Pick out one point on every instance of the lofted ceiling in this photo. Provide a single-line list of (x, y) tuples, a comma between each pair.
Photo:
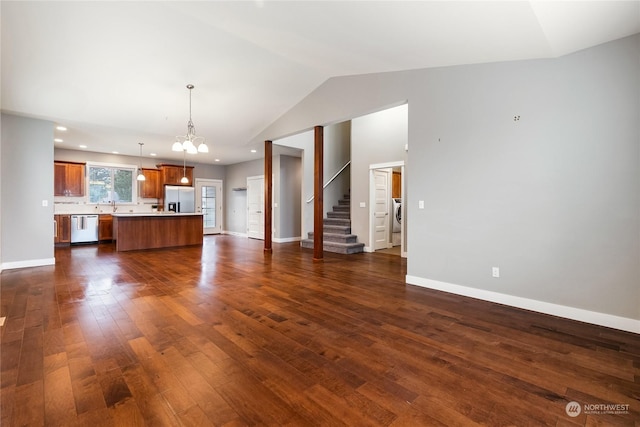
[(115, 73)]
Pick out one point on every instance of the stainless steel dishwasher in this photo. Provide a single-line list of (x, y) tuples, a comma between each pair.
[(84, 228)]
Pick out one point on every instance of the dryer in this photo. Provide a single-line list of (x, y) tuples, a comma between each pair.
[(397, 215)]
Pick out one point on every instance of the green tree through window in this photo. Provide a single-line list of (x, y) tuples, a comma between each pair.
[(108, 184)]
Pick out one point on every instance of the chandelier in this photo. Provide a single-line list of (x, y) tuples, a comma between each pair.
[(190, 143)]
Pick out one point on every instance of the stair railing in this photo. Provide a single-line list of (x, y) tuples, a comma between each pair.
[(331, 179)]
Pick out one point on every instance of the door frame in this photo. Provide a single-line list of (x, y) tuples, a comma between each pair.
[(219, 200), (372, 188)]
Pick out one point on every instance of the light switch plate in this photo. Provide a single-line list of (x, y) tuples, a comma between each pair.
[(363, 204), (45, 203), (420, 204)]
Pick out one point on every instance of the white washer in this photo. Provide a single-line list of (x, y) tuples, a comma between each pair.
[(397, 215)]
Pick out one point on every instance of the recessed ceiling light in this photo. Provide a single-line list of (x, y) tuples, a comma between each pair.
[(115, 152), (253, 151), (57, 140), (82, 146), (153, 154), (62, 128), (217, 160)]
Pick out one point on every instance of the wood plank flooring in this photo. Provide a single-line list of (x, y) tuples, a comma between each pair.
[(226, 335)]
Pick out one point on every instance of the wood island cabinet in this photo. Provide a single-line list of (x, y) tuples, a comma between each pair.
[(151, 187), (68, 179), (105, 227), (172, 174), (62, 229)]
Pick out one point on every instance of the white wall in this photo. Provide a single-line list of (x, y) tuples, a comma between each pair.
[(236, 177), (552, 199), (27, 181), (304, 142), (288, 187)]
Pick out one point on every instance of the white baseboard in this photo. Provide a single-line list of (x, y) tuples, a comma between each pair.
[(286, 239), (27, 263), (601, 319)]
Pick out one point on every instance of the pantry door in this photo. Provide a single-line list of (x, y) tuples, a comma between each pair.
[(209, 203), (255, 207)]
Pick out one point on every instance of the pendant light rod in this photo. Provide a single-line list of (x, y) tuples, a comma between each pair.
[(140, 176), (184, 179)]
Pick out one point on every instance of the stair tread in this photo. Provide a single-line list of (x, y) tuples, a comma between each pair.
[(335, 247), (337, 243)]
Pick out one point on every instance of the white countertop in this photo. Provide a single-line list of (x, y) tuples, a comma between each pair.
[(154, 214)]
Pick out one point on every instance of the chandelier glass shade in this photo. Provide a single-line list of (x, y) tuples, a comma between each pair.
[(190, 143), (184, 179)]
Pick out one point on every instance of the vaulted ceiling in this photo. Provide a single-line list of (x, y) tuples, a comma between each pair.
[(115, 73)]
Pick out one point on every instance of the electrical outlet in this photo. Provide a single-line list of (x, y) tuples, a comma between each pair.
[(495, 271)]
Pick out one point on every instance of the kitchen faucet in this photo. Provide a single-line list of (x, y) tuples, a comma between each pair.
[(113, 203)]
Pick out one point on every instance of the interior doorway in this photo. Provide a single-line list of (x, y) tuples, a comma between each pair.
[(386, 194), (209, 203)]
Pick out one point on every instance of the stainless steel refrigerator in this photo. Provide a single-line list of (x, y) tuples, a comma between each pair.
[(179, 199)]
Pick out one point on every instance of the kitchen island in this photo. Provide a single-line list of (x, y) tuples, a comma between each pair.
[(133, 231)]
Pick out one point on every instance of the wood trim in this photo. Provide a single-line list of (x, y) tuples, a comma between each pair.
[(70, 163), (318, 203), (268, 194)]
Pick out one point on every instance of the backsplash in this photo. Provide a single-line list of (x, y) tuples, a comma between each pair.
[(82, 207)]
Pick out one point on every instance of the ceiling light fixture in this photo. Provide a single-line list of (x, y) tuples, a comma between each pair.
[(61, 128), (190, 140), (141, 176)]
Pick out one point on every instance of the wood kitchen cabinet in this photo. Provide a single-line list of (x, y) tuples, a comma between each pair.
[(105, 227), (62, 228), (68, 179), (172, 174), (396, 185), (151, 188)]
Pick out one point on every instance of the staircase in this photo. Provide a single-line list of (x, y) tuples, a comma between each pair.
[(337, 235)]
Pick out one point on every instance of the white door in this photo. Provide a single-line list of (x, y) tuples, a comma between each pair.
[(381, 209), (209, 203), (255, 207)]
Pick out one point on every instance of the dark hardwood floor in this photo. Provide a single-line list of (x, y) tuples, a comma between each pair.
[(225, 334)]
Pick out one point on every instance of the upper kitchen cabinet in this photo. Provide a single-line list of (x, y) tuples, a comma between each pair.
[(151, 188), (172, 174), (68, 179)]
